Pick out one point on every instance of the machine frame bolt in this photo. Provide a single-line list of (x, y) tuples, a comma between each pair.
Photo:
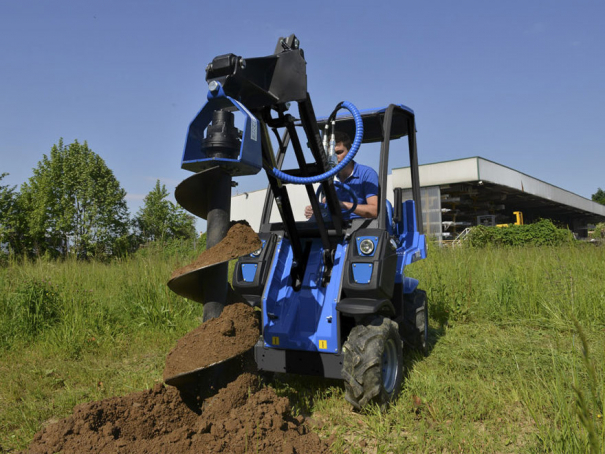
[(213, 86), (242, 63)]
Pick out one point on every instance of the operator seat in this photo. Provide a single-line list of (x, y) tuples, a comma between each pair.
[(389, 215)]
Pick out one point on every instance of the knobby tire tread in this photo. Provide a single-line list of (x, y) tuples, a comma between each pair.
[(363, 362)]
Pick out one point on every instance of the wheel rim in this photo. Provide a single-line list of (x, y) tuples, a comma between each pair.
[(390, 366)]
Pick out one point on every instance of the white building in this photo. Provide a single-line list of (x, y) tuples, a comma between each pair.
[(458, 194)]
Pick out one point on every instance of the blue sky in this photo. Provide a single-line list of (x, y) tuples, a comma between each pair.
[(521, 83)]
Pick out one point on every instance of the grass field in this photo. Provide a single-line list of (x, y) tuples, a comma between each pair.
[(517, 361)]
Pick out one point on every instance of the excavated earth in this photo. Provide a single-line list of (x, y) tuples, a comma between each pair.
[(241, 417), (233, 333), (240, 240)]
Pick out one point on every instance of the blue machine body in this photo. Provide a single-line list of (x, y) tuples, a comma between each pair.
[(306, 319), (249, 161)]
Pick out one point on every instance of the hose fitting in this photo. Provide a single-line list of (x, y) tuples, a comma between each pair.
[(348, 158)]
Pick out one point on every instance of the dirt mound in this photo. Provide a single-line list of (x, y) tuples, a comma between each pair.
[(241, 418), (234, 332), (240, 240)]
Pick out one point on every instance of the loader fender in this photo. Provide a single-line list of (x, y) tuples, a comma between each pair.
[(409, 285), (251, 271), (370, 275), (354, 307)]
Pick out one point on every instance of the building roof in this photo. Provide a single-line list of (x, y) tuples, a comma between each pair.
[(518, 190)]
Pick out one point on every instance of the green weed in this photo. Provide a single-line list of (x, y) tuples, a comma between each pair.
[(508, 371), (28, 310), (565, 397)]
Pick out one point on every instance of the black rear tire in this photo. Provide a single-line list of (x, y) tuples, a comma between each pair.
[(414, 327), (373, 363)]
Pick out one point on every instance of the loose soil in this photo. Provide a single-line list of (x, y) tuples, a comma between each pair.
[(240, 240), (243, 417), (233, 333)]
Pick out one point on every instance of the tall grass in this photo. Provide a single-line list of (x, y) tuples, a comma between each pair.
[(552, 296), (541, 285), (66, 303), (75, 331), (565, 397), (509, 369)]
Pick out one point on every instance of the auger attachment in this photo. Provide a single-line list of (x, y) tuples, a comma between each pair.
[(217, 151), (223, 152), (207, 194)]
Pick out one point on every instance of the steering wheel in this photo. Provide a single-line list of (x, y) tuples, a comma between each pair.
[(347, 189)]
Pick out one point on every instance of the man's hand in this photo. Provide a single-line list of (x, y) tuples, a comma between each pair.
[(308, 211)]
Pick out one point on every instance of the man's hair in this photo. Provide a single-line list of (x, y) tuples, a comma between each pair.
[(343, 137)]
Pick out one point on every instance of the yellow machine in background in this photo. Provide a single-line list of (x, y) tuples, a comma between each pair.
[(518, 219)]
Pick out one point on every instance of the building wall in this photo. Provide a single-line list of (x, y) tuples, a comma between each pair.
[(249, 205), (439, 173), (477, 169)]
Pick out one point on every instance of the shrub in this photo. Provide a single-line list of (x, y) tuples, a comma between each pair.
[(541, 233), (599, 232)]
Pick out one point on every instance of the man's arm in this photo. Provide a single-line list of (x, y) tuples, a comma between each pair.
[(369, 179), (368, 210)]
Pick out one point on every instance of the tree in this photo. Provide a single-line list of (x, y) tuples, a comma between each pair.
[(74, 203), (7, 204), (159, 219), (7, 201), (599, 196), (12, 220)]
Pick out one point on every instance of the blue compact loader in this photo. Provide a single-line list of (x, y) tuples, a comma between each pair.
[(332, 291)]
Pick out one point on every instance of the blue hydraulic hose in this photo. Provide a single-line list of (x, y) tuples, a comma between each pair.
[(330, 173)]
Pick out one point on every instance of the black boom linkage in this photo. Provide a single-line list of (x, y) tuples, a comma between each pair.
[(268, 84)]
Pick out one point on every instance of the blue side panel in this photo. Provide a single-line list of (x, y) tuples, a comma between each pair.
[(362, 272), (412, 244), (249, 271), (306, 319)]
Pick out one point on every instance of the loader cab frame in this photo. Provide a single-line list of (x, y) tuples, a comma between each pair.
[(380, 125)]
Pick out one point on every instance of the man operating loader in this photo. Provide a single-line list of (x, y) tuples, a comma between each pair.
[(362, 180)]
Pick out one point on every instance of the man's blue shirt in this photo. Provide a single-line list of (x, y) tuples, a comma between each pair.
[(364, 183)]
